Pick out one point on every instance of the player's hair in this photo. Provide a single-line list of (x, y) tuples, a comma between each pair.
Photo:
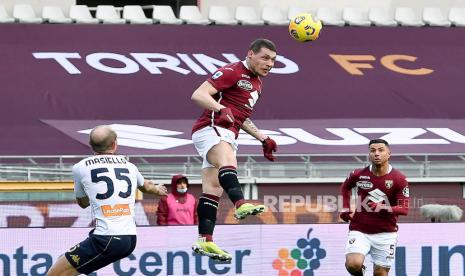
[(378, 141), (102, 142), (259, 43)]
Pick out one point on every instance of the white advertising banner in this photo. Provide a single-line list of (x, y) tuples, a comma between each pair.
[(436, 249)]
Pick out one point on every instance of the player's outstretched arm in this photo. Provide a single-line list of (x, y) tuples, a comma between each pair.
[(151, 188), (269, 145), (203, 97)]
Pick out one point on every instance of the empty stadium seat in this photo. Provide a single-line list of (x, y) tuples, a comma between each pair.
[(192, 15), (165, 15), (294, 10), (435, 17), (4, 18), (25, 14), (220, 15), (356, 16), (54, 14), (381, 17), (330, 16), (135, 15), (81, 14), (246, 15), (457, 16), (109, 15), (273, 16), (406, 17)]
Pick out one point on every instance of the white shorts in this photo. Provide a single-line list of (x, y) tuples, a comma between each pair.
[(381, 246), (205, 138)]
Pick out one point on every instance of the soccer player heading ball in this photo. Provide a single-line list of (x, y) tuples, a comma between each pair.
[(228, 97)]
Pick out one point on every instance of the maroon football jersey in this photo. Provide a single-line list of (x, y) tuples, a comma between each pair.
[(392, 187), (239, 89)]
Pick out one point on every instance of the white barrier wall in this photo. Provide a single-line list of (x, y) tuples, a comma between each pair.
[(423, 249)]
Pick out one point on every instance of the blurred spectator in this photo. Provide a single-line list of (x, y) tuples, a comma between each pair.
[(179, 207)]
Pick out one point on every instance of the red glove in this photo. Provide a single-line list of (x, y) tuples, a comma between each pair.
[(345, 216), (226, 117), (269, 146)]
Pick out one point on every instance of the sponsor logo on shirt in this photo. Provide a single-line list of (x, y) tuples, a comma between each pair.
[(244, 84), (364, 177), (245, 76), (364, 185), (217, 75), (389, 183), (377, 196), (118, 210)]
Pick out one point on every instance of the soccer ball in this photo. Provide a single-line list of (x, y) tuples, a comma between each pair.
[(303, 28)]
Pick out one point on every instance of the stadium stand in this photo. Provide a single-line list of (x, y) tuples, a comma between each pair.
[(273, 16), (246, 15), (356, 17), (220, 15), (165, 15), (25, 14), (457, 16), (330, 16), (81, 14), (109, 15), (134, 14), (192, 15), (434, 17), (405, 16), (381, 17), (54, 14), (293, 10), (4, 17)]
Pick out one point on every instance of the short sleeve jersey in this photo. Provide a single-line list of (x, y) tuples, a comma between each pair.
[(110, 182), (239, 89), (392, 187)]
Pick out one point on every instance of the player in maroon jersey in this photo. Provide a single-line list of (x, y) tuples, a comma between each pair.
[(228, 97), (383, 195)]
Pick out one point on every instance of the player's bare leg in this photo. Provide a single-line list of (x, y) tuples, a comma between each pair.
[(354, 264), (210, 183), (223, 157), (380, 270), (62, 268)]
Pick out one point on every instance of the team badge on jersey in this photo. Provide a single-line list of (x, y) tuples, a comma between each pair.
[(217, 75), (389, 183), (406, 192), (244, 84)]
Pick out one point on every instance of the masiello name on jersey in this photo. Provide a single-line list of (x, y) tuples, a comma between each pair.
[(106, 160)]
